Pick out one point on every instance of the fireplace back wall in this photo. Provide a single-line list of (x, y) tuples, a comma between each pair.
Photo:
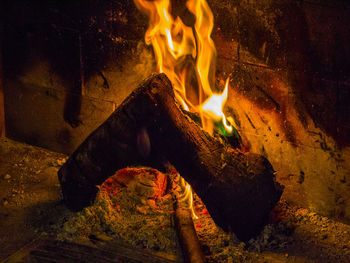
[(67, 66)]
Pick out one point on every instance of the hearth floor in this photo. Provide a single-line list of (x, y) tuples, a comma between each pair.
[(32, 213)]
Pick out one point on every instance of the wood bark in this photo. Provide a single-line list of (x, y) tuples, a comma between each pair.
[(237, 188), (188, 238)]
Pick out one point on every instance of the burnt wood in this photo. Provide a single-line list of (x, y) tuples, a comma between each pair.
[(188, 238), (237, 188)]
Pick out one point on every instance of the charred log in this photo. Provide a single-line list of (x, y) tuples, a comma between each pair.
[(237, 188), (188, 239)]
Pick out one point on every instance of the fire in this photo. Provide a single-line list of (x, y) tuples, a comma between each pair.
[(187, 54), (186, 195), (212, 108)]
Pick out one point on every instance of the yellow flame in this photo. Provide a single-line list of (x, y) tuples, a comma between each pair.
[(206, 52), (187, 194), (174, 43), (212, 108)]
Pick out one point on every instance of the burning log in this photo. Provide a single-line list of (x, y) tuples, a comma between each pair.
[(187, 236), (188, 239), (148, 127)]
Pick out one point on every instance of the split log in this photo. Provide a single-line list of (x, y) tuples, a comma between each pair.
[(237, 188)]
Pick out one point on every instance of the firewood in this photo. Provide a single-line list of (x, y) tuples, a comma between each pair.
[(187, 236), (188, 239), (237, 188)]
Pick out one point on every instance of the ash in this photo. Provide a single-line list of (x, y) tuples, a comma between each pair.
[(294, 234), (127, 213), (31, 206)]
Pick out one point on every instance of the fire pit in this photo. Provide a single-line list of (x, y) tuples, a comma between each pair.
[(218, 173), (198, 131), (149, 127)]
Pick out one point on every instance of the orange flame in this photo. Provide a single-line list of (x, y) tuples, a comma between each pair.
[(174, 44), (212, 109), (187, 194)]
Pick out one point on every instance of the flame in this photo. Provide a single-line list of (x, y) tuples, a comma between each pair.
[(186, 53), (187, 194), (212, 108)]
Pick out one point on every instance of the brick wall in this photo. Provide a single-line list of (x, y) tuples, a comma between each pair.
[(288, 62)]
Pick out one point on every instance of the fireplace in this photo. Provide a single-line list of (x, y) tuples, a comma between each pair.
[(280, 70)]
